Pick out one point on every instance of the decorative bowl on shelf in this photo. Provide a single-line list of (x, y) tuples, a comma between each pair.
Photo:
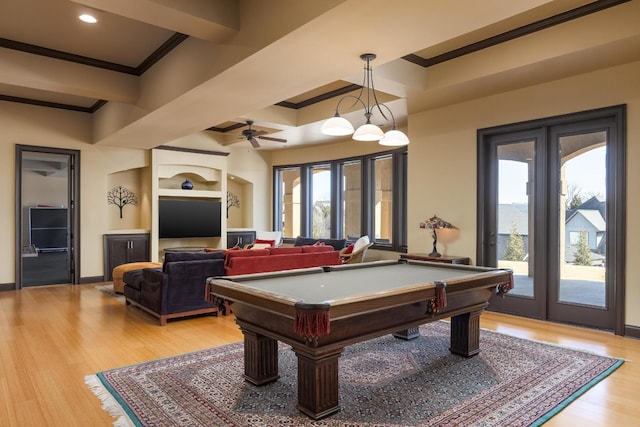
[(187, 185)]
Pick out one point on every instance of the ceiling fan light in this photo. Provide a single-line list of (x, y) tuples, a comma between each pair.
[(337, 126), (394, 138), (368, 132)]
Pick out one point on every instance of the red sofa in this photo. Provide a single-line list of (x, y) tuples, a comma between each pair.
[(248, 261)]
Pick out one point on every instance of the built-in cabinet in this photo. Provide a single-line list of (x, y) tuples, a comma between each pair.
[(124, 248), (240, 238)]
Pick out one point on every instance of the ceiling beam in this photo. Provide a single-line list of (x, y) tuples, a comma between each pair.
[(66, 77), (212, 20)]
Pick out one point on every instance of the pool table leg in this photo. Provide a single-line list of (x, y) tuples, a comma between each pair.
[(408, 334), (260, 358), (465, 334), (318, 383)]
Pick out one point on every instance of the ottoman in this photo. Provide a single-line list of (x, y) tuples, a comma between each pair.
[(118, 272)]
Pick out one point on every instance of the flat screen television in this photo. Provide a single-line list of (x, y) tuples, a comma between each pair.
[(180, 218)]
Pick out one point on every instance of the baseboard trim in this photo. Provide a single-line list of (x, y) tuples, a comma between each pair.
[(83, 281), (88, 280), (632, 331), (7, 287)]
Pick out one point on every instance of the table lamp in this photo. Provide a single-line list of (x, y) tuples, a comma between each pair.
[(435, 223)]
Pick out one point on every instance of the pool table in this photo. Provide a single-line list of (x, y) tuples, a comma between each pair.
[(319, 311)]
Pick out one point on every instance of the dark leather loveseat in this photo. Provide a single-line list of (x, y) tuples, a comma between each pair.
[(178, 289)]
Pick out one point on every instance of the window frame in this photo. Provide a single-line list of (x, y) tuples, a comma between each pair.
[(399, 197)]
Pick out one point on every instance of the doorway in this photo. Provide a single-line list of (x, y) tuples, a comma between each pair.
[(551, 199), (46, 216)]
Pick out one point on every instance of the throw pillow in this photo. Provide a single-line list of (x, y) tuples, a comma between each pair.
[(361, 242), (260, 246), (349, 249), (262, 241)]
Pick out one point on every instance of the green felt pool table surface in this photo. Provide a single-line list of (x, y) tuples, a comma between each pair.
[(344, 282)]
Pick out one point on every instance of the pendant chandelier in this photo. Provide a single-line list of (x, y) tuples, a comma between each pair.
[(339, 126)]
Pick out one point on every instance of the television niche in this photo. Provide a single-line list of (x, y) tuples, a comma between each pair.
[(181, 218)]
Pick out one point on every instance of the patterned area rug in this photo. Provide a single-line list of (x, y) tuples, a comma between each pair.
[(383, 382)]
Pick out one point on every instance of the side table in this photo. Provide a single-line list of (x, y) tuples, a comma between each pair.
[(443, 258)]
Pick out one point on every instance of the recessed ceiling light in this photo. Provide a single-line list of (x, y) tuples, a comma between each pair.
[(90, 19)]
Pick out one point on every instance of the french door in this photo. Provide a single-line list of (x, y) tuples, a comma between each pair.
[(551, 208)]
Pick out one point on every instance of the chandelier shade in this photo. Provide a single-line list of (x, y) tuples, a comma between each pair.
[(394, 138), (339, 126), (368, 132)]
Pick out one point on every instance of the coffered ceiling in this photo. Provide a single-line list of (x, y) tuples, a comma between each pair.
[(150, 72)]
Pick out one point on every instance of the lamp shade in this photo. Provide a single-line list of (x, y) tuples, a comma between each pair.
[(368, 132), (337, 126), (394, 138)]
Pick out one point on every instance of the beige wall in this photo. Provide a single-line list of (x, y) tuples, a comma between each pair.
[(442, 156)]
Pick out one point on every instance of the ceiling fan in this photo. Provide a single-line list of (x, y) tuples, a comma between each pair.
[(251, 135)]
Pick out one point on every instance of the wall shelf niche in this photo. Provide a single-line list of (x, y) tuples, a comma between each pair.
[(204, 180), (208, 174)]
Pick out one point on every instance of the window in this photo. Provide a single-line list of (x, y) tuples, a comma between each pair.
[(574, 238), (383, 200), (321, 201), (351, 198), (344, 198), (288, 206)]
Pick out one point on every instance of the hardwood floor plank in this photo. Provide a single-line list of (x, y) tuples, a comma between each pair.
[(52, 336)]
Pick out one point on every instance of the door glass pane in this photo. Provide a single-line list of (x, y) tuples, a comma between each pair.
[(289, 182), (515, 213), (46, 218), (383, 208), (582, 221), (321, 201), (351, 200)]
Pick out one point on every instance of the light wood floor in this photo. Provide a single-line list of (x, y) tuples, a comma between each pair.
[(52, 336)]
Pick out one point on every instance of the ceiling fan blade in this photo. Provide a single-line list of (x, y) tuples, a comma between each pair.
[(254, 143), (259, 132), (270, 138)]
